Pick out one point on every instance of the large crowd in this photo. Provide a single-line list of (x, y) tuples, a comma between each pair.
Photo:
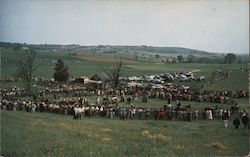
[(108, 103), (168, 92), (108, 108)]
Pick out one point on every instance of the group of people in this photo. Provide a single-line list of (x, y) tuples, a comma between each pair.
[(9, 92), (242, 118), (169, 92), (107, 108)]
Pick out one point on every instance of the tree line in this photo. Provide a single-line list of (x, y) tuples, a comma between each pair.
[(227, 59)]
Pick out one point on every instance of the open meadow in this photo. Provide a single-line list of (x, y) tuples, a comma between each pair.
[(43, 134)]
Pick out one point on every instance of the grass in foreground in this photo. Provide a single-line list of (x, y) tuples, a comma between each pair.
[(43, 134)]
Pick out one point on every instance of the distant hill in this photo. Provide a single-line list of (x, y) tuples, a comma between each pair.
[(167, 50), (142, 48)]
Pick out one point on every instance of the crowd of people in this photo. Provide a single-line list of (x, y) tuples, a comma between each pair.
[(108, 108), (167, 92), (9, 92), (108, 103)]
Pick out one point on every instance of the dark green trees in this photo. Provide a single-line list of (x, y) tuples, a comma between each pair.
[(230, 58), (61, 71)]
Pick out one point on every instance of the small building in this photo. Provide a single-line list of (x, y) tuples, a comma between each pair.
[(81, 79), (93, 84)]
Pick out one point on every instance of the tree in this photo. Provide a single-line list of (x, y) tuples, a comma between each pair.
[(114, 74), (230, 58), (191, 58), (26, 66), (61, 72), (180, 58)]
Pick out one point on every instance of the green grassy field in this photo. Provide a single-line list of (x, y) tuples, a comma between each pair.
[(43, 134), (78, 67), (236, 82)]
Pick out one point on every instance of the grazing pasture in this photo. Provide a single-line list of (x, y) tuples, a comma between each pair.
[(44, 134)]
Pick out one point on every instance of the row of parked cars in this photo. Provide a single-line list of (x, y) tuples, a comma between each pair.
[(167, 77)]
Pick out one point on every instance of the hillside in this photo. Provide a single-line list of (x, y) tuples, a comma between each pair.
[(45, 134), (167, 50), (110, 48)]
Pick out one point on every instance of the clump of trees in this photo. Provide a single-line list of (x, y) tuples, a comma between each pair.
[(180, 58), (61, 72), (230, 58)]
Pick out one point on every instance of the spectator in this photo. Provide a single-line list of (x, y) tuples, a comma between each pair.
[(236, 122), (225, 118), (245, 120)]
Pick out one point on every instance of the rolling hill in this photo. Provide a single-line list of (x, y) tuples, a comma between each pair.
[(103, 48)]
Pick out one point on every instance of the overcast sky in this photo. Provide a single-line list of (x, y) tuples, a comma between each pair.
[(215, 25)]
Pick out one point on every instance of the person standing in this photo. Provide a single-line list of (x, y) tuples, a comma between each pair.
[(236, 122), (220, 113), (196, 114), (225, 118), (245, 120), (210, 115)]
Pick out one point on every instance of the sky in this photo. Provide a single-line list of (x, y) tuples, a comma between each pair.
[(216, 25)]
